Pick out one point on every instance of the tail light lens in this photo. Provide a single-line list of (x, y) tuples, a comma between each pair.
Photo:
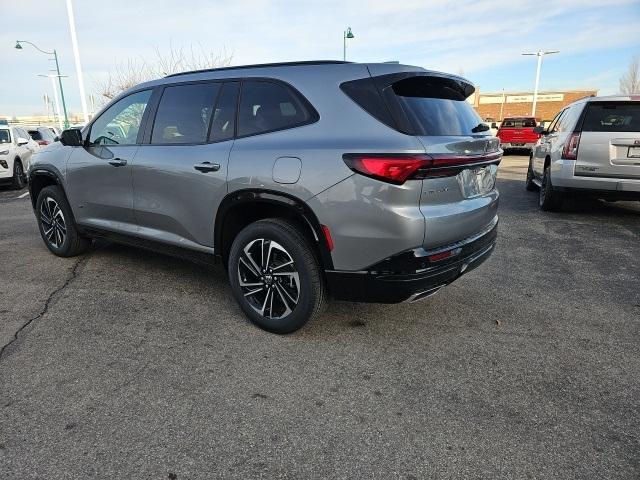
[(570, 150), (42, 142), (398, 168)]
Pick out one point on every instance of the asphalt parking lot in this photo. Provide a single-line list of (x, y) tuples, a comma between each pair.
[(127, 364)]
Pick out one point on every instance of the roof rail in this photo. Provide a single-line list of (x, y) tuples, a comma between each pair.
[(262, 65)]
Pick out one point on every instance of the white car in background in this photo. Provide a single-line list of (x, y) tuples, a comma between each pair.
[(16, 149)]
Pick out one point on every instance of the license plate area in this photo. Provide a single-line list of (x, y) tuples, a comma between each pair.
[(517, 144), (478, 181), (633, 152)]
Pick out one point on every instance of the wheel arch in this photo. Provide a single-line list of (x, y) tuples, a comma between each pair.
[(240, 208), (41, 178)]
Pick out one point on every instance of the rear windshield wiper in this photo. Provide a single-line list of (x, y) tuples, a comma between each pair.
[(480, 128)]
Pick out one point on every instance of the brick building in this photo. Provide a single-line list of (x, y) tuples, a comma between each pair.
[(496, 106)]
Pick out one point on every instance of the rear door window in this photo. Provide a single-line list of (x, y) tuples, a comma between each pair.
[(612, 117), (184, 113), (268, 106), (433, 108)]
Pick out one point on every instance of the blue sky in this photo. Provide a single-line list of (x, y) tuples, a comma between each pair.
[(483, 39)]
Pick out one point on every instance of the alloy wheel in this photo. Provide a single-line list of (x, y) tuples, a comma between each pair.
[(53, 222), (268, 278)]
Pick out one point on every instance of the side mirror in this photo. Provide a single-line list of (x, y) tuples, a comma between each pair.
[(22, 141), (72, 137), (539, 130)]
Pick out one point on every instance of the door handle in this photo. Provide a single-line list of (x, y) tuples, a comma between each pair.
[(118, 162), (207, 167)]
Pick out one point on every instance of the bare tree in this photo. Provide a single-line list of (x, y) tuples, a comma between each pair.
[(133, 71), (630, 81)]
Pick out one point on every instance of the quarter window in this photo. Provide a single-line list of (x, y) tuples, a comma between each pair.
[(267, 106), (224, 115), (184, 113), (120, 124)]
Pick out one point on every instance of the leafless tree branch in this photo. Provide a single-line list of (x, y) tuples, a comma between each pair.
[(630, 81)]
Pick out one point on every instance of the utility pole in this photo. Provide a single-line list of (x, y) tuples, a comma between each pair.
[(76, 57), (538, 54)]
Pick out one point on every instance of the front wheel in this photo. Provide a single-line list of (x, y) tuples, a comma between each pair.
[(56, 224), (275, 276)]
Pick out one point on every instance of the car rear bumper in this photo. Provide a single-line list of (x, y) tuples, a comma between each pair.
[(564, 179), (410, 275)]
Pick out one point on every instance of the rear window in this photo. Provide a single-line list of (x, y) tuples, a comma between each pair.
[(518, 123), (35, 134), (433, 108), (612, 117), (5, 137)]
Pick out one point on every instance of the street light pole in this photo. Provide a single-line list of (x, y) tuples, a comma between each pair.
[(55, 98), (538, 54), (346, 34), (55, 58)]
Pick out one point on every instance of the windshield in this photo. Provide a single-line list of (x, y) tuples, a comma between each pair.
[(5, 137)]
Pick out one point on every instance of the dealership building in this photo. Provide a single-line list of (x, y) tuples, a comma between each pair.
[(496, 106)]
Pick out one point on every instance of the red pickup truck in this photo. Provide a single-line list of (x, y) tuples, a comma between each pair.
[(517, 132)]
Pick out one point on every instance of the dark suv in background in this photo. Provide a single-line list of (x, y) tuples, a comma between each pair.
[(365, 182)]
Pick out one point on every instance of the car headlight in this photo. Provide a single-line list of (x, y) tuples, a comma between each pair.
[(4, 152)]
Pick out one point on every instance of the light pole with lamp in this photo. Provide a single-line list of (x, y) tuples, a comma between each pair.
[(55, 58), (538, 54), (346, 34)]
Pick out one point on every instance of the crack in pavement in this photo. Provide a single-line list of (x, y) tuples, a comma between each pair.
[(70, 277)]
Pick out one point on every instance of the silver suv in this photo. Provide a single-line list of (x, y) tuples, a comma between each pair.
[(592, 147), (363, 182)]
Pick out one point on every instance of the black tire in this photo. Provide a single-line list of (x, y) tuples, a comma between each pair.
[(275, 278), (57, 225), (550, 199), (529, 185), (19, 179)]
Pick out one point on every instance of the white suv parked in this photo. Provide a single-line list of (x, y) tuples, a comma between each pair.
[(16, 149), (591, 148)]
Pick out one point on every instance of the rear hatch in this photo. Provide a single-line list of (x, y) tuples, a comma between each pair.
[(458, 198), (518, 131), (609, 143)]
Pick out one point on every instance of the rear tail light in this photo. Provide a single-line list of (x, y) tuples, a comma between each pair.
[(42, 142), (398, 168), (570, 150)]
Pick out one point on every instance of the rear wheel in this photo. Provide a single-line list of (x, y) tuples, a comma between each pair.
[(56, 224), (275, 276), (19, 180), (550, 199), (529, 185)]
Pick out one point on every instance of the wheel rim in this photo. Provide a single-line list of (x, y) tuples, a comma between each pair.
[(53, 223), (268, 278)]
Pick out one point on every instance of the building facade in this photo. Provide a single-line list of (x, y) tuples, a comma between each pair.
[(496, 106)]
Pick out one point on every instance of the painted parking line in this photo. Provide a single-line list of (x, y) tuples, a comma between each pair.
[(24, 195)]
